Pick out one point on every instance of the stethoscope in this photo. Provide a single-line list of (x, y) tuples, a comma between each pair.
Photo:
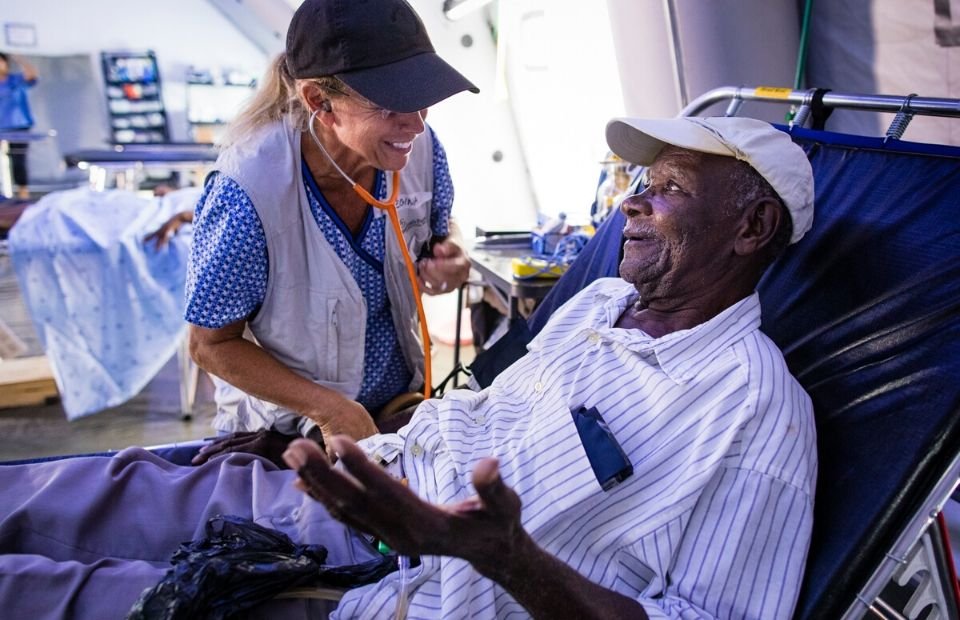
[(390, 206)]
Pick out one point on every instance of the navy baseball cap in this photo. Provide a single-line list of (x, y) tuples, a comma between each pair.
[(379, 48)]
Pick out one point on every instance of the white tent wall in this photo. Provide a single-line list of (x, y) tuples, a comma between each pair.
[(263, 22), (560, 77), (569, 66), (885, 47), (487, 164), (671, 51)]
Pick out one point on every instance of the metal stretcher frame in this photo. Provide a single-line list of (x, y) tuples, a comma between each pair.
[(911, 557), (889, 543), (812, 101), (127, 161)]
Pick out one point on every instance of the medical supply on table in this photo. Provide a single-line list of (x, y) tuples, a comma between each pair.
[(533, 267), (390, 206), (544, 237), (552, 264)]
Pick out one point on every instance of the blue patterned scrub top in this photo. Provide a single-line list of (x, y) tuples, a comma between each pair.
[(227, 275)]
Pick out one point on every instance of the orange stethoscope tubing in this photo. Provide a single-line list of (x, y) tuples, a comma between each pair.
[(390, 206)]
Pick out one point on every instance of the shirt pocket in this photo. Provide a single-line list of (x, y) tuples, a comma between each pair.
[(559, 484)]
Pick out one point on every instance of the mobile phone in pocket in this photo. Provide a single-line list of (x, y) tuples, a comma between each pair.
[(608, 460)]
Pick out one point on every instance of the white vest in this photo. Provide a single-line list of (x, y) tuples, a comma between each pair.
[(313, 318)]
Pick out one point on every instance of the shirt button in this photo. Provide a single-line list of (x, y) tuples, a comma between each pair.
[(538, 387), (594, 337), (416, 450), (480, 419)]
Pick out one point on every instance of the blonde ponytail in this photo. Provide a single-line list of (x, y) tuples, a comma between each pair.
[(275, 98)]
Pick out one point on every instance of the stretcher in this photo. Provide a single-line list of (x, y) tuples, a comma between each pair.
[(867, 312), (123, 164)]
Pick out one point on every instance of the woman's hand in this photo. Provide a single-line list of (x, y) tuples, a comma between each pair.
[(446, 270), (347, 417)]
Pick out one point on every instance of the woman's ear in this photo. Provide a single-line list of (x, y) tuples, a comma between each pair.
[(313, 97), (759, 224)]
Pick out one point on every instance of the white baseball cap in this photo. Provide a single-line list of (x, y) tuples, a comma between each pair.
[(768, 150)]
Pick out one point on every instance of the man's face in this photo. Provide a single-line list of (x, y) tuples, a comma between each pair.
[(680, 229)]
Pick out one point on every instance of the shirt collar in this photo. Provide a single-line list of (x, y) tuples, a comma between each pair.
[(684, 353)]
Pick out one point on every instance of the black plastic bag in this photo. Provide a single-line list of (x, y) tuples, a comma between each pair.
[(240, 564)]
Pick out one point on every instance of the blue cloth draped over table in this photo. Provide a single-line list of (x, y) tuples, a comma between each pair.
[(108, 309)]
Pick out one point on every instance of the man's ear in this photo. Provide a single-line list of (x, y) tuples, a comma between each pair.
[(758, 225)]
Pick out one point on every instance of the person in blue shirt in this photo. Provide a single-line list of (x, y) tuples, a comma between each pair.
[(289, 247), (15, 114)]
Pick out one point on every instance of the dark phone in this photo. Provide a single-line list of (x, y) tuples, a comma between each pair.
[(608, 460)]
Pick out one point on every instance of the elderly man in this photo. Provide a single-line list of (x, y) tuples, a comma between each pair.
[(715, 519), (650, 456)]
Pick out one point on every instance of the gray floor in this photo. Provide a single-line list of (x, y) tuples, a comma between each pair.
[(151, 418)]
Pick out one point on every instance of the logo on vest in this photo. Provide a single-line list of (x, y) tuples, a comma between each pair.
[(414, 224), (414, 210)]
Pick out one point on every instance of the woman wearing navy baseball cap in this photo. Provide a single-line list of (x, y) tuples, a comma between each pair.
[(294, 241)]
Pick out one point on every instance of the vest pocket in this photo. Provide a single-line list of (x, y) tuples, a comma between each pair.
[(414, 211), (332, 352)]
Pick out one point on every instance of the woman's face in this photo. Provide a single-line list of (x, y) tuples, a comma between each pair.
[(380, 137)]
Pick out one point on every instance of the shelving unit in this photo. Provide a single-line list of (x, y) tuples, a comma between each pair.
[(134, 98), (213, 101)]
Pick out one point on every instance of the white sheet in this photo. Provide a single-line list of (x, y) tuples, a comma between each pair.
[(108, 309)]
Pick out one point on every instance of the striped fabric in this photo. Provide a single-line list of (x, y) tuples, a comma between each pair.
[(715, 521)]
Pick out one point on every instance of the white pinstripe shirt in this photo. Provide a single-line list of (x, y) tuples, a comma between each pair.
[(715, 521)]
